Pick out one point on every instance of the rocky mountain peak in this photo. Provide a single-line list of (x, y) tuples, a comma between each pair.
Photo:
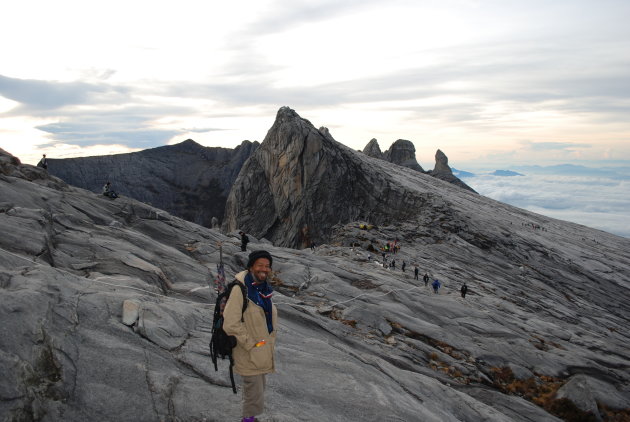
[(326, 133), (287, 122), (305, 183), (441, 163), (403, 153), (188, 146), (189, 142), (372, 149), (442, 171)]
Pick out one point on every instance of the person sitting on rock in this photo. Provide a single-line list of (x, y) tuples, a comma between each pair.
[(107, 191), (43, 163)]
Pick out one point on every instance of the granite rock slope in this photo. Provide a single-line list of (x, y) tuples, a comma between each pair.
[(542, 336), (186, 179)]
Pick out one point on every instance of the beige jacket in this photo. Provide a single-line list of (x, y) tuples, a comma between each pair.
[(250, 360)]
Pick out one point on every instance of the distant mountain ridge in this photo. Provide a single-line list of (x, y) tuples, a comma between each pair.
[(619, 173), (185, 179), (505, 173), (462, 173)]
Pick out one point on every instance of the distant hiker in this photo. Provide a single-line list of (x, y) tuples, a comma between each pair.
[(108, 191), (214, 223), (313, 246), (415, 273), (254, 330), (43, 163), (463, 290), (403, 266), (426, 279), (393, 264), (244, 241), (436, 285)]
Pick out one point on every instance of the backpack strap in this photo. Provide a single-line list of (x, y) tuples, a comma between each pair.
[(232, 374), (245, 300), (244, 293)]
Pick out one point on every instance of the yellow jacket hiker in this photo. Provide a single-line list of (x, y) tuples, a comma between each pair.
[(255, 331)]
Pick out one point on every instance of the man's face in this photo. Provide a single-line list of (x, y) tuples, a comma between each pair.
[(261, 269)]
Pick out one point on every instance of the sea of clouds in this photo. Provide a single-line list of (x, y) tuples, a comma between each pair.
[(601, 202)]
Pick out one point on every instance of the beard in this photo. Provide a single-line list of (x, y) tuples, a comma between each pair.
[(261, 276)]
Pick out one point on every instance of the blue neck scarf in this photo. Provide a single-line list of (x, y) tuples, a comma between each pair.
[(260, 294)]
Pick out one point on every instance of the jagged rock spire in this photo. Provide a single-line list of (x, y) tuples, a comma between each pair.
[(403, 153), (442, 171), (372, 149)]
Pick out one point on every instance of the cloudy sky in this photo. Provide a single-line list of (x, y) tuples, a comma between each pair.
[(488, 81), (492, 83)]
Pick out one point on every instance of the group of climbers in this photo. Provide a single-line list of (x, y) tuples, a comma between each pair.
[(392, 247)]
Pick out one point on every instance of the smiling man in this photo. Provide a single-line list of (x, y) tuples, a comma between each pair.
[(255, 331)]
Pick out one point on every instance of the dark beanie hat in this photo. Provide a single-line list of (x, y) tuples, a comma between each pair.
[(258, 254)]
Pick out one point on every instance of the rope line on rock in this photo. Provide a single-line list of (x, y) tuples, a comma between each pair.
[(152, 293), (374, 295)]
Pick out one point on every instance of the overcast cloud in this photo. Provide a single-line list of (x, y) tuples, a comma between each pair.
[(483, 81)]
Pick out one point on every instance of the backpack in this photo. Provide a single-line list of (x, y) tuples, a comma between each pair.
[(221, 344)]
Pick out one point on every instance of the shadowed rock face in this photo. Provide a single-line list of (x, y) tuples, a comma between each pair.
[(187, 179), (403, 153), (443, 172), (372, 149), (546, 310), (301, 182)]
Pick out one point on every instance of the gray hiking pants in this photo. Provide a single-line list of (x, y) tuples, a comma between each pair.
[(253, 395)]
